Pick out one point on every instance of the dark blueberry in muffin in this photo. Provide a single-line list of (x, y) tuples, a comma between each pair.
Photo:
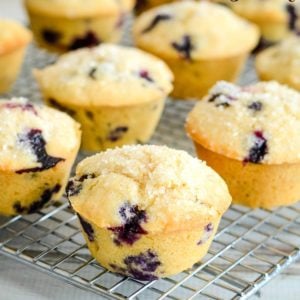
[(92, 72), (87, 227), (89, 114), (212, 98), (157, 19), (184, 47), (90, 39), (208, 230), (35, 141), (24, 106), (37, 205), (74, 185), (60, 107), (140, 4), (131, 229), (117, 133), (142, 266), (51, 36), (292, 16), (224, 101), (145, 75), (255, 106), (260, 148)]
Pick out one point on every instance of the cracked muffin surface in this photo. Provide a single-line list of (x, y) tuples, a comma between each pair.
[(140, 200)]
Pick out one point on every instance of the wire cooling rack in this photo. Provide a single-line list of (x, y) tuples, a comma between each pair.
[(250, 248)]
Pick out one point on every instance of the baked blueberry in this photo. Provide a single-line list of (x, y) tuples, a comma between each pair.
[(60, 107), (35, 141), (255, 106), (51, 36), (131, 229), (74, 185), (184, 47), (260, 148), (145, 75), (87, 227), (293, 16), (143, 266), (38, 204), (156, 20), (117, 133), (90, 39), (208, 231)]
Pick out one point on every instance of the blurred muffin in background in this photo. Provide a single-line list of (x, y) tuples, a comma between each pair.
[(117, 93), (68, 25), (281, 62), (275, 18), (14, 39), (202, 43)]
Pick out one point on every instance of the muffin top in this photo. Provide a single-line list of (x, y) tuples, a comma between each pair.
[(199, 31), (34, 138), (155, 187), (108, 75), (283, 56), (12, 36), (78, 8), (267, 10), (259, 123)]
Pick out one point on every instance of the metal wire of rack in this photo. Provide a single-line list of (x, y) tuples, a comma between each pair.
[(250, 248)]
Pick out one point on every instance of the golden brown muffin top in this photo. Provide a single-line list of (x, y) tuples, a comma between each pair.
[(162, 188), (108, 75), (264, 11), (78, 8), (34, 138), (281, 62), (194, 30), (12, 36), (259, 123)]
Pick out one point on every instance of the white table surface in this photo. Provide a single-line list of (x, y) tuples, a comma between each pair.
[(20, 282)]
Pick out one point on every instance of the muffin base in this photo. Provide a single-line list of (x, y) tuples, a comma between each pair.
[(160, 255), (109, 127), (28, 192), (255, 185), (10, 65), (273, 31), (63, 34), (193, 79)]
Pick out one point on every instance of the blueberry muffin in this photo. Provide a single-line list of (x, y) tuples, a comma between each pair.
[(207, 43), (116, 93), (14, 39), (68, 25), (143, 208), (38, 146), (281, 62), (250, 136), (275, 18)]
